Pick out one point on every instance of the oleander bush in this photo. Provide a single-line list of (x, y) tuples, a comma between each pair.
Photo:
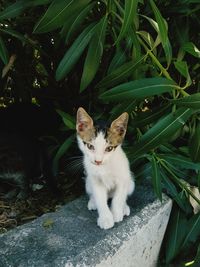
[(112, 56)]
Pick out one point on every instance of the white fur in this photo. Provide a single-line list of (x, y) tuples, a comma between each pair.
[(111, 179)]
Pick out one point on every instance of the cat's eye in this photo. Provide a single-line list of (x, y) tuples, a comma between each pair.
[(90, 147), (109, 148)]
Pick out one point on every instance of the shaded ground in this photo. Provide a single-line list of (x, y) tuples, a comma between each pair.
[(16, 212)]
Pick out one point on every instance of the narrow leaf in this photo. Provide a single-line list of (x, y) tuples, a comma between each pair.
[(127, 106), (120, 56), (161, 131), (119, 74), (181, 161), (13, 10), (77, 20), (182, 67), (57, 13), (175, 234), (15, 34), (197, 258), (194, 144), (3, 52), (94, 54), (68, 120), (162, 35), (192, 101), (161, 23), (194, 232), (156, 178), (146, 36), (74, 52), (172, 191), (168, 51), (144, 118), (129, 16), (139, 89), (191, 49)]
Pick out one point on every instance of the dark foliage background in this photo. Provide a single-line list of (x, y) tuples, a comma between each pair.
[(108, 56)]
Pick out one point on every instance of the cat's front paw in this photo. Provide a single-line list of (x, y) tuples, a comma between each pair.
[(118, 214), (126, 210), (106, 221), (91, 205)]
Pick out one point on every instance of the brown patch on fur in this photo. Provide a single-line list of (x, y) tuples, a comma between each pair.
[(117, 130), (84, 125)]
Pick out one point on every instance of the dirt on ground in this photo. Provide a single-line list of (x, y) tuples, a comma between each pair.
[(15, 212)]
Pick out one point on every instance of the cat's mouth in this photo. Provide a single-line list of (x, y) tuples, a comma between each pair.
[(97, 163)]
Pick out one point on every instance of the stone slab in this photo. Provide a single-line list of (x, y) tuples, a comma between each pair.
[(70, 236)]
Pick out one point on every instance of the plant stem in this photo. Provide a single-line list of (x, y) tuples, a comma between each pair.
[(162, 69)]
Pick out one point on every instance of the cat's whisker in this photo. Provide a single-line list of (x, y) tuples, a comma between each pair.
[(74, 162), (75, 166)]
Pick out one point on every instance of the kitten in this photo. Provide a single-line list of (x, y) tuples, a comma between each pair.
[(106, 166)]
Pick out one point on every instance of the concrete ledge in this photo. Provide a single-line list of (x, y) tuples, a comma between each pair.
[(70, 237)]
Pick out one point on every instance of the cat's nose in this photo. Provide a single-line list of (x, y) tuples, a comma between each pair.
[(98, 162)]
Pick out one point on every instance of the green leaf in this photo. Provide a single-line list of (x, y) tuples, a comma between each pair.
[(193, 233), (120, 56), (176, 233), (144, 118), (130, 11), (192, 101), (156, 178), (15, 34), (161, 23), (61, 151), (146, 36), (161, 131), (191, 49), (74, 52), (182, 67), (168, 51), (57, 13), (127, 106), (119, 74), (95, 52), (139, 89), (194, 144), (172, 191), (136, 54), (13, 10), (68, 120), (77, 21), (39, 2), (162, 36), (197, 258), (198, 180), (3, 52), (181, 161)]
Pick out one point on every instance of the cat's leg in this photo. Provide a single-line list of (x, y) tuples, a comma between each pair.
[(119, 206), (91, 203), (131, 188), (105, 219)]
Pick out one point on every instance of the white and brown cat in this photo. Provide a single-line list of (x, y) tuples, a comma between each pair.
[(107, 168)]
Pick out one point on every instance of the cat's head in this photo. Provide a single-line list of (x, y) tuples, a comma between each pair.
[(96, 142)]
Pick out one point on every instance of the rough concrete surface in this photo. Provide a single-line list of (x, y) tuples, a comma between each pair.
[(71, 237)]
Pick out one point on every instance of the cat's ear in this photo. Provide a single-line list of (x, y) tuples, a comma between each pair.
[(83, 121), (120, 124)]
